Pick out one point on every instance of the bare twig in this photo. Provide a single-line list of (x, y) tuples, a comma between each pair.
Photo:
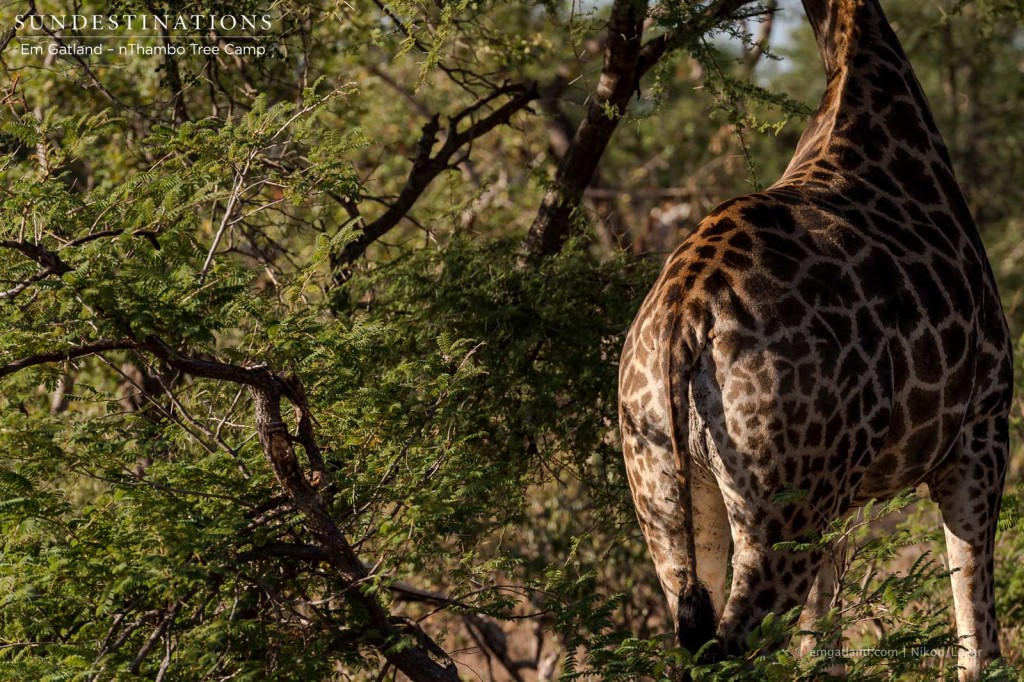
[(225, 220)]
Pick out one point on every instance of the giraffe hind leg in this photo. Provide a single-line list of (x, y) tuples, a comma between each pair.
[(651, 469), (823, 597), (711, 541), (765, 580), (969, 496), (819, 601)]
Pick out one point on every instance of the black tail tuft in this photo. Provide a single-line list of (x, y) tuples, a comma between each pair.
[(697, 620)]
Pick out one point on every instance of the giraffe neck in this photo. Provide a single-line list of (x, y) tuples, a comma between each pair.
[(873, 102)]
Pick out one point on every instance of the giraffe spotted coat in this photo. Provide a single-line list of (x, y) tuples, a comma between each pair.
[(839, 334)]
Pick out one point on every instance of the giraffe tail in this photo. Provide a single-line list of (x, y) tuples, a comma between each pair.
[(696, 620)]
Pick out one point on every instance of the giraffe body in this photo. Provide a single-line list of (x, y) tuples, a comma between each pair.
[(839, 334)]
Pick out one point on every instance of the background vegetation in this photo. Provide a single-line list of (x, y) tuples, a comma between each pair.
[(309, 360)]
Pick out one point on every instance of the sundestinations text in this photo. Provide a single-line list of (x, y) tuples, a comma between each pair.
[(144, 22)]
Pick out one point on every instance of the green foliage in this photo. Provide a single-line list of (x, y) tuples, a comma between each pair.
[(464, 403)]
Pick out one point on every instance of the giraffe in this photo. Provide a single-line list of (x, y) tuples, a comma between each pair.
[(839, 334)]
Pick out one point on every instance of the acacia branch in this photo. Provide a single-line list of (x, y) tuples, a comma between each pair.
[(607, 106), (154, 637), (66, 354), (257, 376), (424, 661), (669, 41), (27, 282), (626, 61), (426, 167), (485, 631), (41, 255), (614, 233)]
